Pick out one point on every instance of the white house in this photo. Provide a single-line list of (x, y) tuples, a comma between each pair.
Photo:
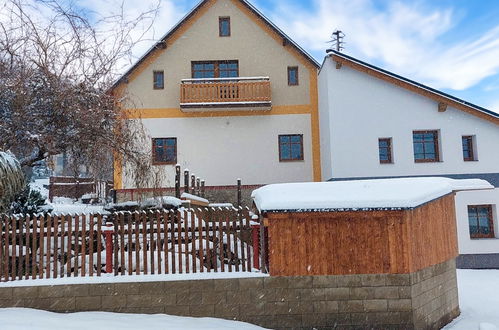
[(376, 124)]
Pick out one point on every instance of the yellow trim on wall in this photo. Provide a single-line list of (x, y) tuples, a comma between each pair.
[(118, 171), (314, 121), (177, 113)]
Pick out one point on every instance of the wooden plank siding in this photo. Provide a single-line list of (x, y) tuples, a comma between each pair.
[(362, 242)]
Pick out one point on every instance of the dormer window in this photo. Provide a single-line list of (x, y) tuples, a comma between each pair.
[(224, 26)]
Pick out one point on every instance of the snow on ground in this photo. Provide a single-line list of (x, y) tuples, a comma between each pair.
[(65, 205), (478, 300), (110, 278), (25, 318), (359, 194)]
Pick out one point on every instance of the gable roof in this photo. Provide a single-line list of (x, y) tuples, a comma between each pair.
[(161, 44), (413, 86)]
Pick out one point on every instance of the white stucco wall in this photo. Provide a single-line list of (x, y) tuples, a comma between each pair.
[(325, 127), (222, 149), (481, 245), (363, 108), (357, 109)]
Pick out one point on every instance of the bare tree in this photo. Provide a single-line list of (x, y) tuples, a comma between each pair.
[(56, 70)]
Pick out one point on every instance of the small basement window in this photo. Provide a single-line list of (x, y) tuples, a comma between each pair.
[(164, 151), (224, 26), (293, 76), (385, 150), (290, 147), (481, 221), (469, 153), (158, 79)]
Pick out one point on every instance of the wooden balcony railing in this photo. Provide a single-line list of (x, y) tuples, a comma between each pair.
[(225, 92)]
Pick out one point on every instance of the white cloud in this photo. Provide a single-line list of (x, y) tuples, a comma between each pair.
[(494, 106), (167, 14), (405, 38)]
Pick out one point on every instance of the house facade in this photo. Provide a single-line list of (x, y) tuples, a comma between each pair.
[(228, 95), (405, 129)]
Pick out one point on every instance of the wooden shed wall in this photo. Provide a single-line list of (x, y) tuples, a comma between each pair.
[(362, 242)]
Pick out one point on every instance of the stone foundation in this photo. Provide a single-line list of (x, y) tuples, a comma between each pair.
[(478, 261), (423, 300)]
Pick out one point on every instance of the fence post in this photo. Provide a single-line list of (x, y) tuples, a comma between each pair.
[(255, 232), (202, 189), (186, 181), (193, 184), (239, 199), (108, 234), (177, 181), (263, 246)]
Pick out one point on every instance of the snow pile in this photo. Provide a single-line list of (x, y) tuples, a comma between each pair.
[(162, 202), (40, 185), (360, 194), (194, 198), (478, 300), (25, 318)]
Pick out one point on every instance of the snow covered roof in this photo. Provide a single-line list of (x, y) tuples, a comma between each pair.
[(401, 193)]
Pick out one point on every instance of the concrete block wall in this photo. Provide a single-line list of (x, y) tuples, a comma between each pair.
[(422, 300)]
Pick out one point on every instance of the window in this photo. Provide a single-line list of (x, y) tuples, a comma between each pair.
[(164, 151), (425, 145), (292, 75), (290, 147), (224, 26), (158, 79), (481, 221), (468, 148), (385, 150), (215, 69)]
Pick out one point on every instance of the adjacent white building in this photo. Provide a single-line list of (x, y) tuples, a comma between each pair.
[(375, 124)]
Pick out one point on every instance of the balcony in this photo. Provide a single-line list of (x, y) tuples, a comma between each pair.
[(225, 94)]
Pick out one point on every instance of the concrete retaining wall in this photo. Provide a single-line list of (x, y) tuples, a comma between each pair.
[(423, 300)]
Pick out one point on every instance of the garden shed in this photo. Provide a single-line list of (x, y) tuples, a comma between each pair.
[(388, 245), (384, 226)]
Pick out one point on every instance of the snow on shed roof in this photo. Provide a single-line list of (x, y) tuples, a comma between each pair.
[(401, 193)]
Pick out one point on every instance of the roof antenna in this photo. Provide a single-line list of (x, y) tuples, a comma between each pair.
[(337, 41)]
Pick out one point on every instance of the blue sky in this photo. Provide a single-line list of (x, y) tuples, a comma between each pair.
[(451, 45)]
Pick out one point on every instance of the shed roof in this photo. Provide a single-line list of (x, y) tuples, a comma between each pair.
[(382, 194)]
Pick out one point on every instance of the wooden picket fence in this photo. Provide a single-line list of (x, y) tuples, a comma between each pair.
[(123, 243)]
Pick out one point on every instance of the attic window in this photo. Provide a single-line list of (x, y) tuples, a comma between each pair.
[(158, 80), (293, 76), (224, 26)]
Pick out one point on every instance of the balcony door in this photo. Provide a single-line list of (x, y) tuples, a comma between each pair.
[(215, 69), (226, 89)]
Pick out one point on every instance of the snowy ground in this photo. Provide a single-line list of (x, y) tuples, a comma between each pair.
[(478, 299), (24, 319), (64, 205)]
